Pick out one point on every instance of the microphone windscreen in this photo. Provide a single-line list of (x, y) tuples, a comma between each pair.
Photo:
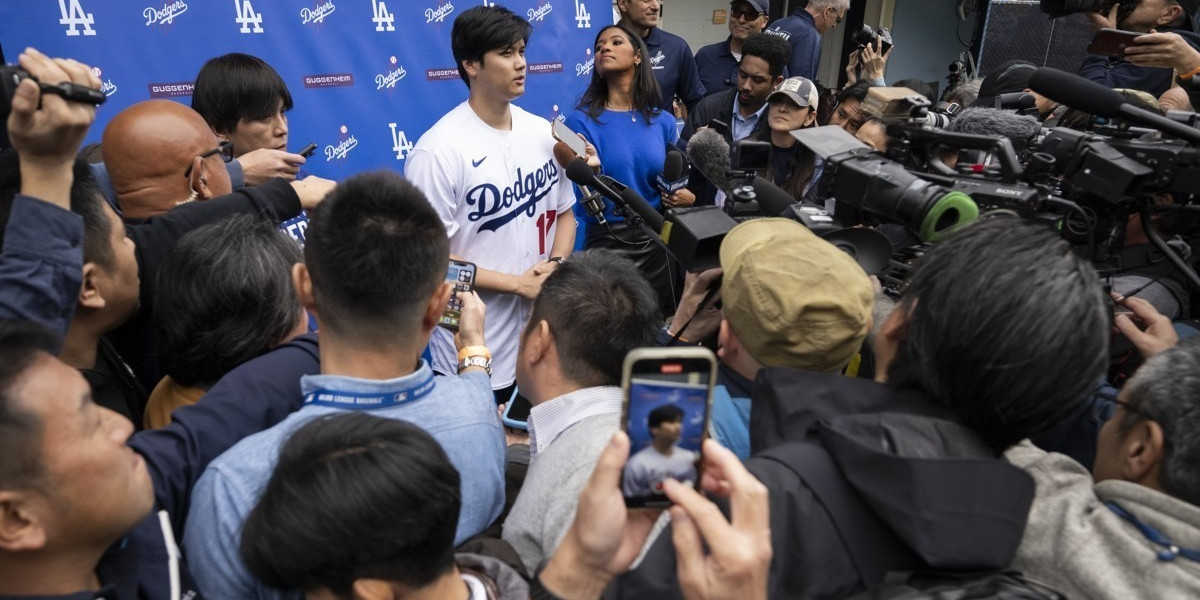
[(578, 171), (1019, 129), (1076, 92), (673, 168), (639, 205), (564, 154), (710, 153), (771, 198)]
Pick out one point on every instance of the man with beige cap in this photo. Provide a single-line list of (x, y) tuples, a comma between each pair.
[(790, 299)]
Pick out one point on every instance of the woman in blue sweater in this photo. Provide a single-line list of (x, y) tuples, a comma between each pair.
[(619, 115)]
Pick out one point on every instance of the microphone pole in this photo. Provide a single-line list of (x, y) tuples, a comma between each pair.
[(623, 198)]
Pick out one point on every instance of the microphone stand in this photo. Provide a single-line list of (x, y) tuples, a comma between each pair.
[(620, 206)]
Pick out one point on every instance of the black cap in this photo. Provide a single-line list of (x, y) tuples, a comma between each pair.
[(1008, 77)]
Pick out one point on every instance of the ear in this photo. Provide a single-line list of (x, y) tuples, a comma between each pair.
[(778, 80), (20, 528), (374, 589), (1142, 453), (302, 281), (89, 294), (539, 343), (472, 67), (1174, 11), (895, 326), (199, 180), (436, 306)]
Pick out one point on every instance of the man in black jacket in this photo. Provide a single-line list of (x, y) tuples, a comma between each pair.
[(1001, 333)]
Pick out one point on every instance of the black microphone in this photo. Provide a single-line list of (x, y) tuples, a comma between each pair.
[(710, 154), (1089, 96), (674, 174), (591, 201), (581, 174), (1016, 100)]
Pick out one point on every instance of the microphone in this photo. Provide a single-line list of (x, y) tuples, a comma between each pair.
[(591, 201), (674, 174), (1019, 129), (1089, 96), (579, 172), (710, 154), (1016, 100)]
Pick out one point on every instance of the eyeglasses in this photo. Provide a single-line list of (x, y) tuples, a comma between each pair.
[(744, 12), (839, 16), (225, 150)]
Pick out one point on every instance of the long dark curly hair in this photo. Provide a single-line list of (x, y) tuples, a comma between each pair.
[(647, 97)]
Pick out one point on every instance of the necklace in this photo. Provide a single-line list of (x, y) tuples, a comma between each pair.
[(632, 113)]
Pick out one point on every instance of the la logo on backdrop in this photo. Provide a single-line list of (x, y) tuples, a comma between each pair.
[(384, 20), (250, 21), (74, 17), (400, 144), (583, 19)]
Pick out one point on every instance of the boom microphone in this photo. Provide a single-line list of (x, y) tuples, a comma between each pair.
[(1091, 97), (674, 174), (710, 154)]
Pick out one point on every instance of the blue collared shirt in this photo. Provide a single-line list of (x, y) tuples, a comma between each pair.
[(800, 30), (743, 127), (460, 413), (718, 67), (675, 68)]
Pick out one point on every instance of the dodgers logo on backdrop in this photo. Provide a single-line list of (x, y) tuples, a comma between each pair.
[(346, 143), (384, 20), (106, 85), (247, 17), (583, 19), (75, 17), (522, 196), (394, 74), (539, 13), (166, 15), (400, 144), (317, 13), (585, 68), (440, 13)]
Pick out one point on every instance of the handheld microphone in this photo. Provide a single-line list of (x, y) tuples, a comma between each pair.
[(674, 174), (1016, 100), (710, 154), (591, 201), (1089, 96), (579, 172)]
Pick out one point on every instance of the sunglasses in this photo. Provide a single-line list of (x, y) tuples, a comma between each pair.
[(744, 13), (225, 150)]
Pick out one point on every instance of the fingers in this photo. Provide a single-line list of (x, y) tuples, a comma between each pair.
[(1127, 327), (1143, 310), (689, 552), (607, 474)]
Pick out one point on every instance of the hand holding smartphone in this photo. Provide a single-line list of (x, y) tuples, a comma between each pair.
[(1112, 42), (668, 397), (461, 276), (564, 134)]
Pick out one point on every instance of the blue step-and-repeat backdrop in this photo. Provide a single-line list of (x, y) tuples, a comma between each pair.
[(367, 77)]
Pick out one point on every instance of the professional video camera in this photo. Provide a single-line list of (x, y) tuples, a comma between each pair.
[(1062, 8), (901, 103)]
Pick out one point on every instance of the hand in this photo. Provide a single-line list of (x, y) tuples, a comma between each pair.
[(874, 60), (512, 437), (1175, 98), (705, 322), (736, 568), (1098, 21), (1159, 333), (593, 157), (470, 324), (47, 136), (312, 190), (1162, 50), (680, 110), (529, 283), (682, 198), (264, 164), (852, 67), (605, 537)]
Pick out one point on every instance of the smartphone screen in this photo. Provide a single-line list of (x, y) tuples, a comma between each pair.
[(461, 276), (668, 393), (564, 134)]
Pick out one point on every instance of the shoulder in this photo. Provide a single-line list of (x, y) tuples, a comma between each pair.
[(669, 39), (711, 51), (441, 136)]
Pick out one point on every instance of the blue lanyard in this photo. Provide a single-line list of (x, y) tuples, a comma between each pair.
[(353, 401), (1170, 550)]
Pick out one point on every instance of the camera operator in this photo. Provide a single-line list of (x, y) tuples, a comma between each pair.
[(1146, 16), (868, 63)]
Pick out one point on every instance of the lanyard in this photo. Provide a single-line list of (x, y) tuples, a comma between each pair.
[(355, 401), (1170, 550)]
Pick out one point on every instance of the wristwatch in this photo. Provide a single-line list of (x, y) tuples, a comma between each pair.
[(476, 361)]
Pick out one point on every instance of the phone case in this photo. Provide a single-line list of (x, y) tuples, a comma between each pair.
[(1111, 42)]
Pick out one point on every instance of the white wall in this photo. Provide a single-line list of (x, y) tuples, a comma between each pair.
[(692, 21), (926, 40)]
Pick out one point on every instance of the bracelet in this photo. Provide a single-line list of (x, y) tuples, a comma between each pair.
[(474, 351), (1183, 77), (556, 259)]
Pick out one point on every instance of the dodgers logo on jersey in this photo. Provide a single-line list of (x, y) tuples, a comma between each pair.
[(75, 18), (246, 17), (440, 13), (583, 19), (106, 85), (166, 15), (346, 143), (400, 144), (317, 14), (657, 59), (520, 197), (539, 13), (384, 20), (585, 67), (389, 78)]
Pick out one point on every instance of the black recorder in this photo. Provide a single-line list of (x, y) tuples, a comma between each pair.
[(11, 76)]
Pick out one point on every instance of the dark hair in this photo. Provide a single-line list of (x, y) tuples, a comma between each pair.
[(1167, 389), (355, 496), (224, 296), (21, 344), (376, 251), (917, 86), (86, 202), (646, 97), (236, 87), (1005, 325), (599, 307), (482, 29), (857, 91), (774, 50), (802, 165), (667, 413)]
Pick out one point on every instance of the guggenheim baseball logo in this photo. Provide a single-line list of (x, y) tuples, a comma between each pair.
[(170, 89), (329, 80), (316, 14), (346, 143), (166, 15)]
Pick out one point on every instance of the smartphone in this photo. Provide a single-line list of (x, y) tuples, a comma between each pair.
[(720, 127), (1111, 42), (516, 411), (564, 134), (461, 276), (668, 397), (308, 150)]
